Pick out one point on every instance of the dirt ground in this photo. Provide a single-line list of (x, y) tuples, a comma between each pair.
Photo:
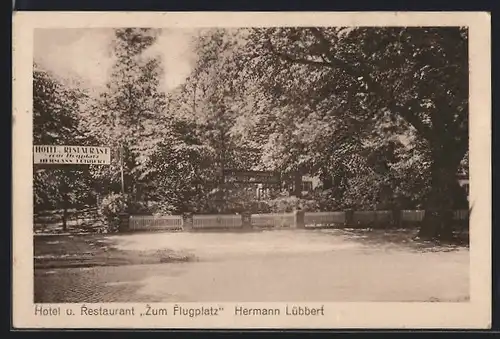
[(285, 265)]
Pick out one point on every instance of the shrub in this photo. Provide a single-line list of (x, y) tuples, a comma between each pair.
[(111, 207), (161, 208), (140, 207), (289, 204), (150, 208)]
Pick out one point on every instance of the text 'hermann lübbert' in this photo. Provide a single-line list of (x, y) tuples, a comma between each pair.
[(290, 310)]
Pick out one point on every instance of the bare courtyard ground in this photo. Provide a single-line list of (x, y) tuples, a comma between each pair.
[(286, 265)]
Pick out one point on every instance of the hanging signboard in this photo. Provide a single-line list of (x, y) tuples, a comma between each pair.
[(82, 155), (251, 177)]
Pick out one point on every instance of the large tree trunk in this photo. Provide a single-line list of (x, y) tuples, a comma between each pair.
[(326, 181), (445, 195), (297, 185)]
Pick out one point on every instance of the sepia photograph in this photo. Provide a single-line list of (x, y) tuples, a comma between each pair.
[(264, 164), (251, 164)]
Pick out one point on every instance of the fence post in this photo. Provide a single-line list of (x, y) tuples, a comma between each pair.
[(349, 217), (299, 221), (246, 220), (187, 221), (124, 224)]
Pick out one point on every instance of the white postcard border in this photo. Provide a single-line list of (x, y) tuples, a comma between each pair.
[(473, 314)]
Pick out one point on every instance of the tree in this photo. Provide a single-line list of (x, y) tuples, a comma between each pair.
[(211, 101), (129, 115), (55, 122), (416, 78), (180, 171)]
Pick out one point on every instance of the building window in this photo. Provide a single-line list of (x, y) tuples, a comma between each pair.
[(306, 186)]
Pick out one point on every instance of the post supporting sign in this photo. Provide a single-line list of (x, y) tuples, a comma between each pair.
[(82, 155)]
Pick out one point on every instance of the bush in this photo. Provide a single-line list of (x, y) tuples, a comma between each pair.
[(140, 208), (150, 208), (161, 208), (289, 204), (111, 207)]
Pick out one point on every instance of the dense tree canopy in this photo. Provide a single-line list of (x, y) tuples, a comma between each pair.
[(378, 114), (400, 92), (55, 121)]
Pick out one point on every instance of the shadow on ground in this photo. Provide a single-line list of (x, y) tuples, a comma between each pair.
[(330, 264), (56, 251), (96, 250), (402, 238)]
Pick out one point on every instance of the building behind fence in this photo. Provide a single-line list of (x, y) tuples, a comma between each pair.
[(297, 219)]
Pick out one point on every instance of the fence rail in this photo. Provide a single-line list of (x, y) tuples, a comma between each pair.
[(461, 215), (324, 219), (412, 215), (148, 222), (418, 215), (217, 221), (366, 217), (276, 220)]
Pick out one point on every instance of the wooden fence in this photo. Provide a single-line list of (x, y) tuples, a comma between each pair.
[(412, 215), (461, 215), (369, 217), (407, 218), (418, 215), (217, 221), (155, 223), (324, 219), (273, 220)]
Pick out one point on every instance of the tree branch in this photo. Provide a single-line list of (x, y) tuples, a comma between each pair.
[(334, 61), (331, 61), (374, 86), (410, 116), (289, 58)]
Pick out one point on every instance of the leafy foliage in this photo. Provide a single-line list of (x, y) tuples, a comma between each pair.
[(378, 114), (55, 115), (111, 207), (128, 116), (346, 94)]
